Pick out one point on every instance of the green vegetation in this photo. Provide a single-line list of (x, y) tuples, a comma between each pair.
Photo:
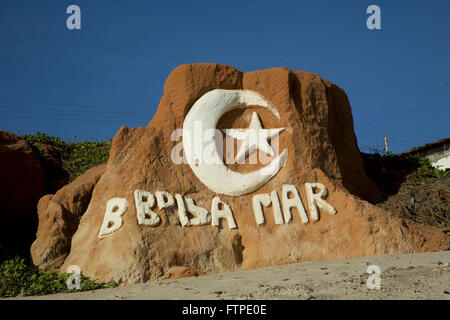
[(426, 170), (389, 170), (421, 168), (411, 187), (77, 157), (423, 165), (17, 275), (17, 278)]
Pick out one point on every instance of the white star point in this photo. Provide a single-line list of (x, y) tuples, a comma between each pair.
[(253, 138)]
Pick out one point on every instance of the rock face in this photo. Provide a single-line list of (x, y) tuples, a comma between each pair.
[(59, 216), (26, 174), (22, 177), (22, 183), (143, 238)]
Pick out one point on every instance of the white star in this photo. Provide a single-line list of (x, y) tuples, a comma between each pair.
[(253, 138)]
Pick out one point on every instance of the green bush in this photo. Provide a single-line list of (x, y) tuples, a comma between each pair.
[(426, 170), (77, 157), (16, 278), (421, 166), (445, 224)]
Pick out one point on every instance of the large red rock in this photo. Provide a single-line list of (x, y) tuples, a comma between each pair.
[(22, 178), (22, 183), (59, 216), (321, 147)]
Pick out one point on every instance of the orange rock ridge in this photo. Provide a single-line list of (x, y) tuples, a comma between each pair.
[(322, 148)]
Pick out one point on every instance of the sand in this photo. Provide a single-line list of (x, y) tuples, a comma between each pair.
[(409, 276)]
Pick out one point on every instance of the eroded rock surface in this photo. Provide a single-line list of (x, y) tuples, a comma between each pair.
[(322, 149), (59, 216)]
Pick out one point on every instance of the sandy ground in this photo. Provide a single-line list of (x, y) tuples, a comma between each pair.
[(411, 276)]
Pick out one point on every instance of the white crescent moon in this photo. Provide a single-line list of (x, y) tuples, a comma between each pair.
[(200, 124)]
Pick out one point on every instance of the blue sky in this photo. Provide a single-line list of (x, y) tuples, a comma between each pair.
[(88, 83)]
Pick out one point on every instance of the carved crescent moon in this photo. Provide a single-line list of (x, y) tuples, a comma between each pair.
[(208, 166)]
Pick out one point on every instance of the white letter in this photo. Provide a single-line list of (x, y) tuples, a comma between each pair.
[(252, 142), (73, 21), (374, 281), (214, 140), (276, 208), (221, 213), (164, 199), (229, 149), (112, 220), (295, 202), (73, 282), (258, 201), (175, 155), (144, 202), (374, 21), (184, 220), (317, 200), (202, 215), (198, 144)]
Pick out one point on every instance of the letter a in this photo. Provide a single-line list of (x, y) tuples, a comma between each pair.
[(218, 213), (74, 20), (373, 21), (294, 202)]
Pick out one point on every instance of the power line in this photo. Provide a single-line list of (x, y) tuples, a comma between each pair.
[(100, 112), (381, 136), (392, 130), (69, 116), (71, 119), (392, 140), (364, 130), (392, 137), (70, 104)]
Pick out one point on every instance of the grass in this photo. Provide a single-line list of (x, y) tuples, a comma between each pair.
[(19, 279), (77, 157)]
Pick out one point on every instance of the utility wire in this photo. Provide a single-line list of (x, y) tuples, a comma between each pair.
[(392, 137), (127, 108), (392, 130), (71, 119), (69, 116), (73, 105), (4, 108), (99, 113)]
